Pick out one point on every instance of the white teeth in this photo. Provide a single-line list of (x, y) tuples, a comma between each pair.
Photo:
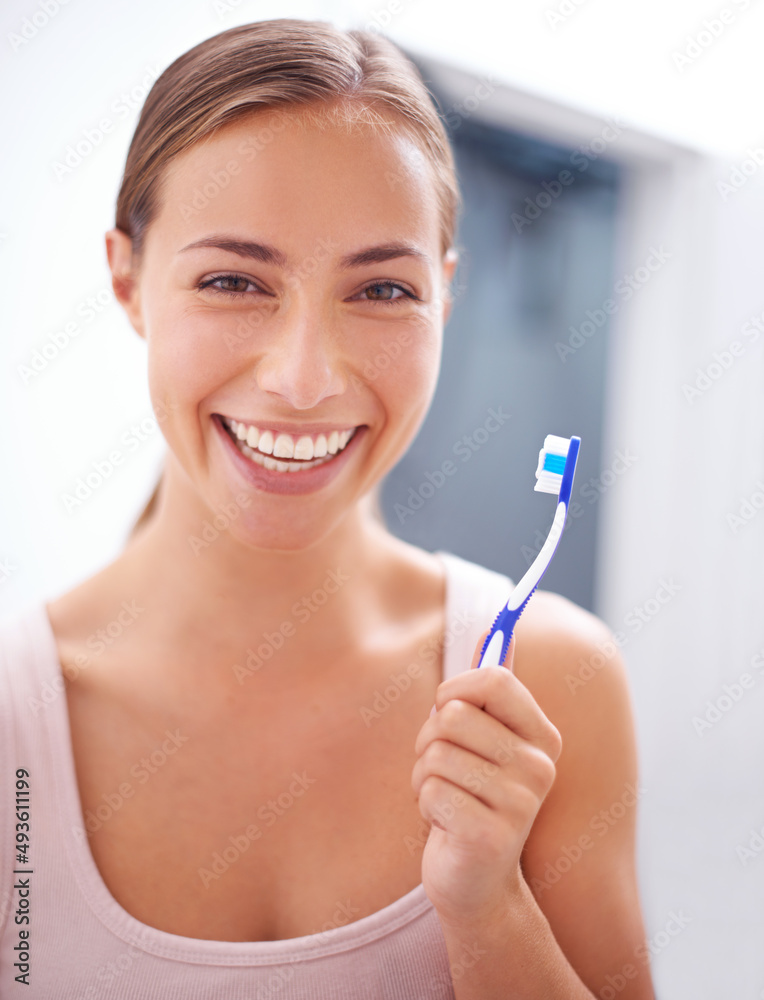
[(272, 463), (257, 444), (283, 446), (304, 448), (265, 444)]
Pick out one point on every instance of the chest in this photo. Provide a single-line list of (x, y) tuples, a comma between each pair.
[(260, 830)]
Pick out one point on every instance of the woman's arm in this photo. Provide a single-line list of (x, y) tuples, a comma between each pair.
[(569, 925), (579, 859)]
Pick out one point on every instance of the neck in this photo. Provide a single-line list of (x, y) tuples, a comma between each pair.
[(201, 583)]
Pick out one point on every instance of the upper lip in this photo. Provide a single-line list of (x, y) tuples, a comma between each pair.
[(292, 429)]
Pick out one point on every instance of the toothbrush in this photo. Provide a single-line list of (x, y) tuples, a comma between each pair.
[(556, 468)]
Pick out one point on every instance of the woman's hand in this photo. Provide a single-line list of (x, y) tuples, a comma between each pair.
[(486, 760)]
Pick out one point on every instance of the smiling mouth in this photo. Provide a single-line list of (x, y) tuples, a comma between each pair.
[(273, 451)]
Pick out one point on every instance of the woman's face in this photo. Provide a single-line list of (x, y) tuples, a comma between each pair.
[(316, 326)]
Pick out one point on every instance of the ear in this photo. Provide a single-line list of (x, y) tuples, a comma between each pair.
[(450, 260), (124, 277)]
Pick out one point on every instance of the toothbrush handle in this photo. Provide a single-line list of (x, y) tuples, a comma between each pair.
[(495, 647), (496, 644)]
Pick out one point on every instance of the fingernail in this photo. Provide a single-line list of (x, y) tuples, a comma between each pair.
[(433, 710)]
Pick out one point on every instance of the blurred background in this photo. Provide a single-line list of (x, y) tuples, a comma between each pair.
[(610, 286)]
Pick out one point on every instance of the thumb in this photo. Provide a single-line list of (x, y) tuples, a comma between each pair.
[(508, 659), (478, 648)]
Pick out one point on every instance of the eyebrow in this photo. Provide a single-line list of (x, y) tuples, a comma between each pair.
[(267, 254)]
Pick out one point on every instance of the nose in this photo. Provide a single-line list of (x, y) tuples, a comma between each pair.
[(302, 363)]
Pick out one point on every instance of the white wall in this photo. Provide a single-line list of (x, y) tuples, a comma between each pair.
[(697, 461)]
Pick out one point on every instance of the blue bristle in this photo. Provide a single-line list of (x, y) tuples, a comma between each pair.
[(554, 463)]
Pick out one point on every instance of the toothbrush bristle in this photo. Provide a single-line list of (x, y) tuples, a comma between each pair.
[(551, 465)]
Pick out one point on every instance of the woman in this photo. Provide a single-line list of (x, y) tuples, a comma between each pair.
[(236, 785)]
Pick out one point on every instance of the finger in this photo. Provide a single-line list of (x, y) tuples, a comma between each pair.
[(477, 654), (466, 725), (497, 788), (462, 768), (501, 695), (493, 748), (450, 808), (508, 659)]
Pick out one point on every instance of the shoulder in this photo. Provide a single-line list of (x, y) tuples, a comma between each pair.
[(579, 858), (566, 655), (570, 662)]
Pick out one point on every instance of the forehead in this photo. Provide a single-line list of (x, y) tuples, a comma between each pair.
[(289, 178)]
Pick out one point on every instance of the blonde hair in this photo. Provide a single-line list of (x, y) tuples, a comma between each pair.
[(305, 67)]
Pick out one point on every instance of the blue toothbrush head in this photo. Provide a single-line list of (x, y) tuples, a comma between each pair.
[(557, 466)]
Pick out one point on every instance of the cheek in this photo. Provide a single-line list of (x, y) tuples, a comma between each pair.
[(189, 357), (403, 372)]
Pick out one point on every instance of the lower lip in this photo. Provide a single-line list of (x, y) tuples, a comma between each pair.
[(272, 481)]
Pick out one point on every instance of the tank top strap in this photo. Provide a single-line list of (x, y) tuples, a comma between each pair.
[(474, 596)]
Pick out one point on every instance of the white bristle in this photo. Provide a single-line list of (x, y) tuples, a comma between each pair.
[(550, 482)]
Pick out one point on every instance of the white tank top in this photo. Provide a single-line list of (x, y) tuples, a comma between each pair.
[(66, 937)]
